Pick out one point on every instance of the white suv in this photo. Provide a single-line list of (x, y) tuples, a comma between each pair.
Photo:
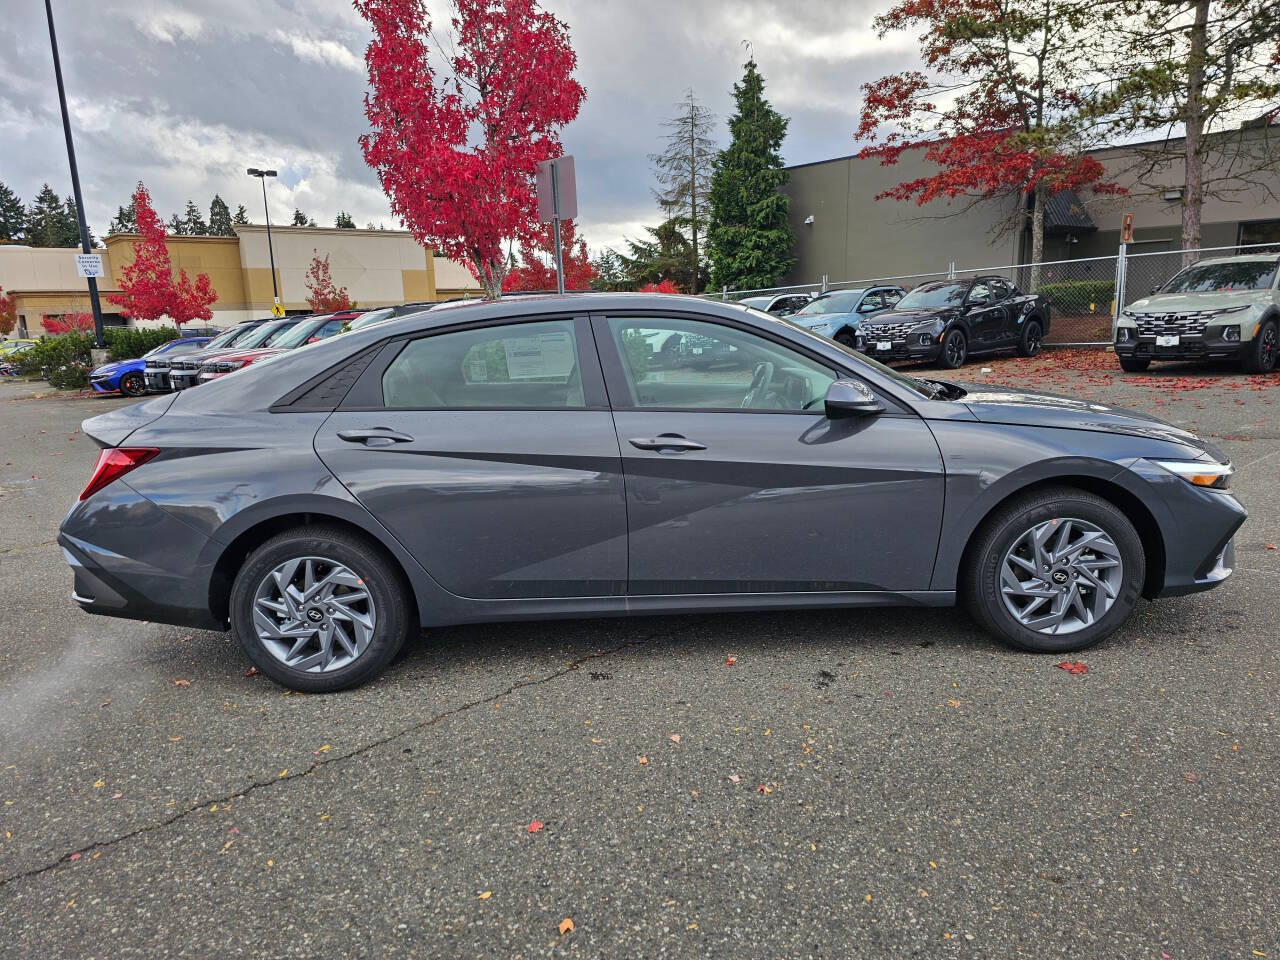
[(1228, 307)]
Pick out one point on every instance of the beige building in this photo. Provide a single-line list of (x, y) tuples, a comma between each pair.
[(844, 233), (378, 268)]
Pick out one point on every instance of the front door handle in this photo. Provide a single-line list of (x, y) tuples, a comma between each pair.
[(671, 442), (374, 437)]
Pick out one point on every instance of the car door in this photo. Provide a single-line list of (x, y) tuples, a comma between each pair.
[(1010, 315), (489, 452), (737, 482), (984, 315)]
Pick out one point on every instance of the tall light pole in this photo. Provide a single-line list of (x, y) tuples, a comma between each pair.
[(98, 338), (262, 175)]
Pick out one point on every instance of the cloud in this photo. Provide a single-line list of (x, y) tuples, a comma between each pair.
[(165, 22), (321, 51)]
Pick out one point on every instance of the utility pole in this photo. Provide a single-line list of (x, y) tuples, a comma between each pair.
[(99, 338)]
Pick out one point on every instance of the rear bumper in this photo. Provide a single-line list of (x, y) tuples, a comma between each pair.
[(102, 540)]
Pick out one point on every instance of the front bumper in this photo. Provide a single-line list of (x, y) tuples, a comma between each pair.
[(909, 349), (1188, 347), (157, 381), (182, 379), (105, 385)]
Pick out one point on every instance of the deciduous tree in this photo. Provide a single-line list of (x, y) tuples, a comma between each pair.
[(460, 118), (66, 323), (8, 313), (536, 269), (1188, 71), (323, 295), (148, 288), (749, 240), (998, 110), (683, 171)]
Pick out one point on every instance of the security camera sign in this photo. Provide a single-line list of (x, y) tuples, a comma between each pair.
[(89, 265)]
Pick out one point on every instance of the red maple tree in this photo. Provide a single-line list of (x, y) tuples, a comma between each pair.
[(67, 323), (662, 286), (1000, 111), (455, 142), (8, 313), (537, 267), (148, 288), (323, 295)]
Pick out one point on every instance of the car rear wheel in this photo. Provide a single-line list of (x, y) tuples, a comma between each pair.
[(319, 609), (132, 385), (1260, 354), (1134, 364), (1032, 338), (1055, 571), (954, 350)]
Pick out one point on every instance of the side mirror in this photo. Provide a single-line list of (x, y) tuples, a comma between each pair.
[(851, 398), (1154, 291)]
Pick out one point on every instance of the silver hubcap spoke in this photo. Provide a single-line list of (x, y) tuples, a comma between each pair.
[(1061, 576), (314, 614)]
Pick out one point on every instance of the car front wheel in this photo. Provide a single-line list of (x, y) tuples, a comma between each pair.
[(1032, 338), (132, 385), (954, 350), (1055, 571), (847, 339), (319, 609), (1260, 354)]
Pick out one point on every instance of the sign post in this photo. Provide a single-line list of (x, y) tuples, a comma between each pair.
[(557, 200)]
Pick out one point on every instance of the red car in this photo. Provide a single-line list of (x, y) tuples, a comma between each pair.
[(305, 331)]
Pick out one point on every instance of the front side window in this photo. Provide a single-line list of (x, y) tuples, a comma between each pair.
[(981, 293), (694, 365), (873, 301), (519, 365), (1214, 277)]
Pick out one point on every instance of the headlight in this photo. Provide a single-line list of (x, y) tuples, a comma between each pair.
[(1200, 473)]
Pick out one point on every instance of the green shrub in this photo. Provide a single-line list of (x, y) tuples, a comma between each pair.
[(1075, 296), (64, 359), (125, 343)]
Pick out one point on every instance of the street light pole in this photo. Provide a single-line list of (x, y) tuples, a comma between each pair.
[(99, 338), (262, 175)]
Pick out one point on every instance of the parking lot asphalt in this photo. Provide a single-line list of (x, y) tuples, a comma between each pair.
[(820, 784)]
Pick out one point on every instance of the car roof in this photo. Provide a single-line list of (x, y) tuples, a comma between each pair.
[(1241, 258)]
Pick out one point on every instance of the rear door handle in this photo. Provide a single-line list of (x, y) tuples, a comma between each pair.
[(374, 436), (672, 442)]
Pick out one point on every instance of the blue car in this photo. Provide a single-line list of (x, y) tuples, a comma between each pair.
[(125, 376), (837, 314)]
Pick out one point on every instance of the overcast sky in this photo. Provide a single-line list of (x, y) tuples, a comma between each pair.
[(184, 94)]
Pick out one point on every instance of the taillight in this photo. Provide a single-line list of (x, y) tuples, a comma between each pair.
[(114, 463)]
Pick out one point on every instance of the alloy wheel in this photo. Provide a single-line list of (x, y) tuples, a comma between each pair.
[(1033, 339), (314, 614), (955, 350), (1269, 347), (1061, 576)]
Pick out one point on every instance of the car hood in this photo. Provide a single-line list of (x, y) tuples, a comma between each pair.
[(1034, 409), (1189, 302), (116, 366), (911, 316), (811, 320)]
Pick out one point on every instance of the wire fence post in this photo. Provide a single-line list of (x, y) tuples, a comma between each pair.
[(724, 292), (951, 270), (1122, 269), (824, 283)]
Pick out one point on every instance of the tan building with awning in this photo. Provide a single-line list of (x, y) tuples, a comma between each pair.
[(378, 268)]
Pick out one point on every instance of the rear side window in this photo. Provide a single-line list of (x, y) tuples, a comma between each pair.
[(515, 366)]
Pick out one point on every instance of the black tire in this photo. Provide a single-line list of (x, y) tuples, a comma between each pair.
[(847, 339), (132, 385), (954, 349), (391, 597), (1032, 338), (981, 577), (1134, 364), (1260, 354)]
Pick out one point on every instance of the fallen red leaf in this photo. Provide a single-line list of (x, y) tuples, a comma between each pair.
[(730, 661), (1074, 668), (252, 672), (534, 827)]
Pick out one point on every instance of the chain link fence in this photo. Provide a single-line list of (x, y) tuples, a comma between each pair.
[(1082, 293)]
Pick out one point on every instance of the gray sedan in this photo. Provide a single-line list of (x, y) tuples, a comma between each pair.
[(541, 457)]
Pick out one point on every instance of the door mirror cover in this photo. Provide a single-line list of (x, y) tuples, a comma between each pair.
[(851, 398)]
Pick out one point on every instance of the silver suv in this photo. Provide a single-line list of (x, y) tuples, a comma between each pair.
[(1228, 307)]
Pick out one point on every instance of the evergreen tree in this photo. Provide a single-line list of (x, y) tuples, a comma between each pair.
[(343, 221), (193, 219), (300, 219), (176, 227), (12, 216), (220, 218), (683, 172), (667, 255), (749, 240), (610, 271), (126, 220), (71, 227), (50, 222), (241, 219)]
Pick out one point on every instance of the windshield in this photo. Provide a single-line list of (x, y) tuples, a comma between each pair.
[(372, 317), (266, 334), (940, 293), (297, 336), (841, 301), (227, 338), (1213, 277)]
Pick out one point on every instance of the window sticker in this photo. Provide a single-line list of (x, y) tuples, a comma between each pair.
[(542, 356)]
